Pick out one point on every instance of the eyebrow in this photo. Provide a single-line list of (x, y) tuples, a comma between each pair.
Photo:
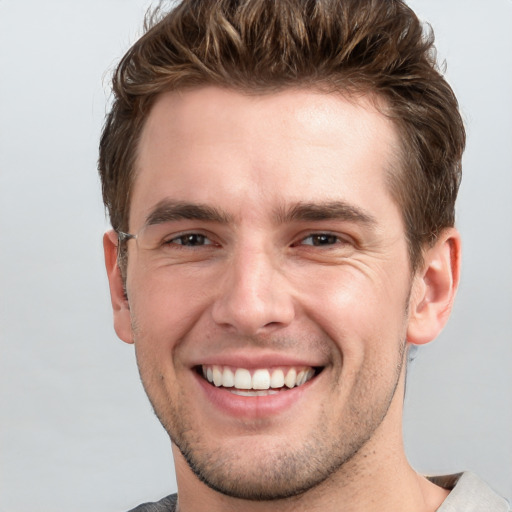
[(331, 210), (168, 210)]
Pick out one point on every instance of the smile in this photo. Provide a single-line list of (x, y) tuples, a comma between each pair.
[(258, 382)]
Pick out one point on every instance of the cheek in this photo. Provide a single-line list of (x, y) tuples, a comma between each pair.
[(362, 311), (165, 306)]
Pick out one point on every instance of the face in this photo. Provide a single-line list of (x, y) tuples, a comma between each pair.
[(268, 289)]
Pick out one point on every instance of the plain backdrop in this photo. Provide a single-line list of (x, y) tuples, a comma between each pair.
[(76, 431)]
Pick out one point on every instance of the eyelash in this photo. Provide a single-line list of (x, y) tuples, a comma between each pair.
[(330, 240), (182, 236)]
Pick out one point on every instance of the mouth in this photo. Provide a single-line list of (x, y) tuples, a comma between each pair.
[(257, 382)]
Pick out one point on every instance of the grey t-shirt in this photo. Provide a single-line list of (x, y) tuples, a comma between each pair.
[(167, 504), (468, 494)]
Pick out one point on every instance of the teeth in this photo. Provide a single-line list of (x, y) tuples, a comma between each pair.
[(228, 378), (242, 392), (262, 380), (243, 379), (291, 378), (217, 376), (277, 379)]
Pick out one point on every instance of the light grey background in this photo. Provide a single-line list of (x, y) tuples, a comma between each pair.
[(76, 431)]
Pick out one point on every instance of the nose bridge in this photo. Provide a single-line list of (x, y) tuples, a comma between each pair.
[(254, 295)]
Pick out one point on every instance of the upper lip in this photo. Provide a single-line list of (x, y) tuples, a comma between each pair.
[(257, 360)]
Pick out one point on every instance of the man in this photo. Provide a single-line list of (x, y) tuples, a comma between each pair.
[(281, 179)]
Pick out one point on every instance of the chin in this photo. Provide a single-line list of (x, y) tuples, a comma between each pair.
[(267, 467), (278, 475)]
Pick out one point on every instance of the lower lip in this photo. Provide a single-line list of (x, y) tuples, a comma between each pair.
[(253, 406)]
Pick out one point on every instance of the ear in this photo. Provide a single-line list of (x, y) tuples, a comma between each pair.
[(120, 305), (434, 288)]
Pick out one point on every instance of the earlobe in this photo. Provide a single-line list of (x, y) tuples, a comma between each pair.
[(120, 304), (434, 288)]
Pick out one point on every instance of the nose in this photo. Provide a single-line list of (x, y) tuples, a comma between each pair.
[(254, 295)]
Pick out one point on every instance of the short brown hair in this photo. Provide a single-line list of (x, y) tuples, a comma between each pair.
[(259, 46)]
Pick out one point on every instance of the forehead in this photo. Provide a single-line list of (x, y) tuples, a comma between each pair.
[(212, 145)]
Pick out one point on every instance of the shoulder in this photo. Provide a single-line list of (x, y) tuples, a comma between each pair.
[(167, 504), (469, 493)]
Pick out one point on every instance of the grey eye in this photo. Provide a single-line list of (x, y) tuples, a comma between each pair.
[(190, 240), (321, 239)]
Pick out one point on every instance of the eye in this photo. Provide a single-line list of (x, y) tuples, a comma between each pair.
[(322, 240), (190, 240)]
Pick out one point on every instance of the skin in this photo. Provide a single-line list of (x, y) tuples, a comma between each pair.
[(262, 293)]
